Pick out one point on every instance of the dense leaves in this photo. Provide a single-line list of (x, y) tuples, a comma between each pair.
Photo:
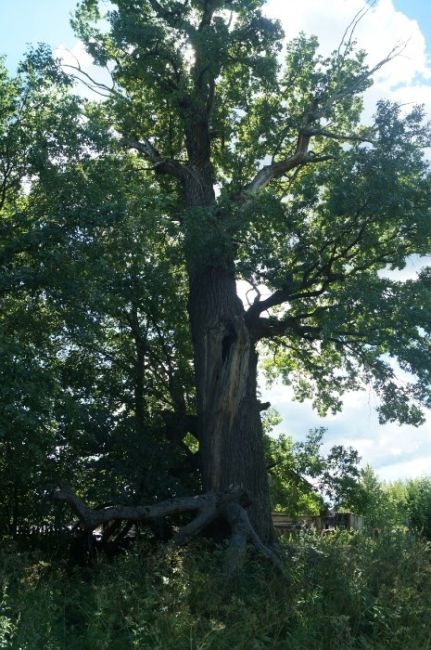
[(94, 386), (320, 236)]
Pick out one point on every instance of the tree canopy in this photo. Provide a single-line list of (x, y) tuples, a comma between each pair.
[(319, 204)]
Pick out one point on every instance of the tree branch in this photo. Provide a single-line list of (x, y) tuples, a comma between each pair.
[(277, 169), (208, 506), (268, 328), (230, 505), (207, 14), (311, 126), (161, 165), (85, 78), (277, 298), (242, 532), (341, 137), (290, 293)]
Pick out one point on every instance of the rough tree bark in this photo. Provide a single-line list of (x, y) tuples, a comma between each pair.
[(230, 428), (231, 437)]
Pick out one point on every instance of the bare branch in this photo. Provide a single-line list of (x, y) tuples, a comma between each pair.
[(358, 82), (230, 505), (161, 164), (84, 77), (311, 126), (203, 519), (302, 156), (347, 37), (264, 177), (275, 299)]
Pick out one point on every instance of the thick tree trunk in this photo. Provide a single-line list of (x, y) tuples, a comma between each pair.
[(231, 438), (230, 430)]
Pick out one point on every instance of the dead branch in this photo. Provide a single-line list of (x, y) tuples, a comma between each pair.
[(311, 125)]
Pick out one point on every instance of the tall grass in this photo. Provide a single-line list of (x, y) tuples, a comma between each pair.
[(345, 592)]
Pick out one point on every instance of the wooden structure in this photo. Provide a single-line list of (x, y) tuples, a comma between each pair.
[(284, 523)]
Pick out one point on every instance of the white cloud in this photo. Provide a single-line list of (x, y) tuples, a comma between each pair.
[(416, 468), (394, 451), (382, 28), (414, 264)]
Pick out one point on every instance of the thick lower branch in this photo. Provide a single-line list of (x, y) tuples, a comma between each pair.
[(268, 328), (230, 505), (208, 506)]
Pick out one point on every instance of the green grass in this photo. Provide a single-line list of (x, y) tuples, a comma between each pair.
[(349, 591)]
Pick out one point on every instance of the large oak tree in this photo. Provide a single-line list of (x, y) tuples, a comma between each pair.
[(280, 185), (274, 181)]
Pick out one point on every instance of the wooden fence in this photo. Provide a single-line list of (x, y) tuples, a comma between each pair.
[(284, 523)]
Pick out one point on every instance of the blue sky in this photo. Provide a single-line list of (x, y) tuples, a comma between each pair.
[(395, 452), (420, 10), (24, 22)]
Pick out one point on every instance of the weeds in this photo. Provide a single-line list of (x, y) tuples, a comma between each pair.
[(346, 592)]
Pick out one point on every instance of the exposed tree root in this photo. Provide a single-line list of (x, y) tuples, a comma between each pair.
[(231, 505), (242, 533)]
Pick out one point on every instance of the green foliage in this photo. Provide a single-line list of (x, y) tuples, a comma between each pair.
[(349, 591), (382, 506), (398, 504), (168, 50), (97, 377), (327, 242), (304, 480), (39, 129), (418, 499), (94, 339)]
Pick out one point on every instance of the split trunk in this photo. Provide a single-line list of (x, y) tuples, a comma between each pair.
[(230, 429)]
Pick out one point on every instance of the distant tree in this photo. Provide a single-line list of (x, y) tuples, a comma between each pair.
[(372, 502), (383, 505), (97, 382), (304, 480), (419, 505), (39, 123)]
